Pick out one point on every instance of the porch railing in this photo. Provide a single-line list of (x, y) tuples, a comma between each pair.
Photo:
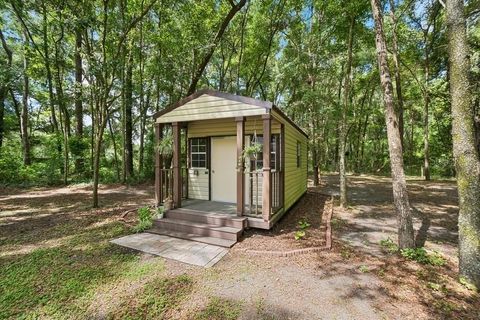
[(255, 182), (166, 183), (276, 196)]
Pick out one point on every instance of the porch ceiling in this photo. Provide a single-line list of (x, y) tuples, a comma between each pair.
[(213, 105)]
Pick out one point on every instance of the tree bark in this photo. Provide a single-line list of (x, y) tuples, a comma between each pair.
[(46, 53), (5, 88), (218, 37), (62, 105), (400, 194), (24, 111), (426, 104), (467, 158), (396, 63), (343, 124), (128, 118), (79, 163)]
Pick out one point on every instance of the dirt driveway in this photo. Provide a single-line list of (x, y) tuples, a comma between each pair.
[(91, 278)]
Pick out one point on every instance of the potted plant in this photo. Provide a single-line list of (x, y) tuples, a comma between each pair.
[(249, 153)]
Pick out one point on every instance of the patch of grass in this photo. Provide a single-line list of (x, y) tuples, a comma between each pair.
[(145, 268), (445, 307), (346, 252), (220, 309), (389, 245), (155, 299), (59, 282), (421, 255), (467, 284), (363, 269), (439, 287)]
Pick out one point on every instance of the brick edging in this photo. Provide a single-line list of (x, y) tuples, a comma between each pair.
[(295, 252)]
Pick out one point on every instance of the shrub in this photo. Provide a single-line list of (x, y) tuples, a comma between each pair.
[(145, 217), (421, 255)]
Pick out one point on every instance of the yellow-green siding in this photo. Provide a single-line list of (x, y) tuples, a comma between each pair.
[(227, 127), (295, 177)]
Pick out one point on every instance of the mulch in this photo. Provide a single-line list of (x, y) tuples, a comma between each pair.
[(313, 208)]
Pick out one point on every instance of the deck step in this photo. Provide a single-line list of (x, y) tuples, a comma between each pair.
[(194, 237), (207, 218), (198, 228)]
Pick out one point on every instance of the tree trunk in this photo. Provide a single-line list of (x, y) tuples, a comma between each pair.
[(400, 194), (467, 158), (115, 155), (218, 37), (143, 119), (5, 88), (398, 81), (96, 160), (343, 124), (426, 102), (79, 163), (3, 95), (46, 53), (128, 118), (63, 110), (24, 111)]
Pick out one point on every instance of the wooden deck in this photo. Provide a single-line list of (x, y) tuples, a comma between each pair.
[(205, 221), (210, 206)]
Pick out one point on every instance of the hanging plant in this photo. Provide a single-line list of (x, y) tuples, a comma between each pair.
[(252, 151)]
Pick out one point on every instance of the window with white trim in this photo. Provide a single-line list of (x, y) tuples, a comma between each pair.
[(198, 153)]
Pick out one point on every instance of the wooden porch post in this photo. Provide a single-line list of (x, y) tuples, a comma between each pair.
[(240, 165), (267, 176), (177, 168), (187, 159), (158, 165)]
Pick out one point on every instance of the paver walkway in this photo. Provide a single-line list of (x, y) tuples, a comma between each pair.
[(191, 252)]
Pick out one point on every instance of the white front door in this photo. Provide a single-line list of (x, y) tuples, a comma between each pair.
[(223, 166)]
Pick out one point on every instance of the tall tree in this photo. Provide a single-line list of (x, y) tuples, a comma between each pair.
[(396, 64), (25, 103), (128, 145), (235, 7), (343, 124), (467, 157), (5, 78), (400, 194), (79, 163)]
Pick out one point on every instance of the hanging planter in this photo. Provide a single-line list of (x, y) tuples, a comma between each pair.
[(251, 152)]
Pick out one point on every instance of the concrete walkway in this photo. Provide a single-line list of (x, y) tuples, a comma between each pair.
[(191, 252)]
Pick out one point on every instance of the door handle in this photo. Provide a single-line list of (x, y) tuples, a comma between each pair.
[(213, 171)]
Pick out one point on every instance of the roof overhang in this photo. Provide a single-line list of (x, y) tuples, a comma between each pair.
[(209, 104)]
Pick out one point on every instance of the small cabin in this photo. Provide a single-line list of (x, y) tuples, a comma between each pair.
[(221, 169)]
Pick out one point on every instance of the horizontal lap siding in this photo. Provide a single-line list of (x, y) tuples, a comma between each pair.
[(198, 184), (227, 127), (295, 178)]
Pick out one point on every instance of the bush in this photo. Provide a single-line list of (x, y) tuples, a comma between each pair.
[(421, 255), (145, 217)]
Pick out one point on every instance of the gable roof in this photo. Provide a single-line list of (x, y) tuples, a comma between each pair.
[(211, 104)]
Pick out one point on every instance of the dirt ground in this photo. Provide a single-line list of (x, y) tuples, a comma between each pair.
[(357, 279)]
